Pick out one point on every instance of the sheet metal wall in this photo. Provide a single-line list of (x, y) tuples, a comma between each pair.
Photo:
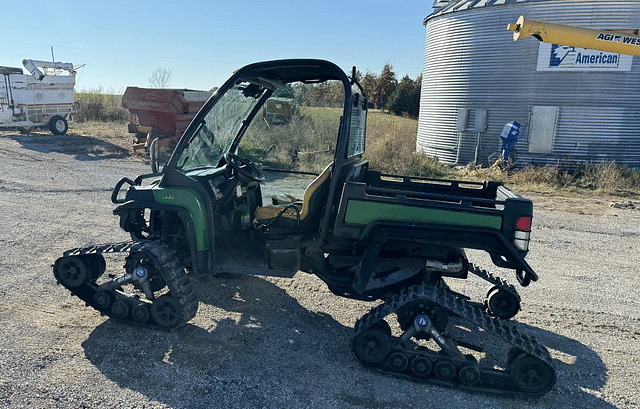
[(471, 61)]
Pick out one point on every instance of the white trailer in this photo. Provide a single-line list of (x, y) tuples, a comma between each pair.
[(42, 99)]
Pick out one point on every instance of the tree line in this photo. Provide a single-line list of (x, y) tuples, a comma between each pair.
[(383, 91)]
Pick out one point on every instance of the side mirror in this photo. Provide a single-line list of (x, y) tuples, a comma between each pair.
[(154, 156)]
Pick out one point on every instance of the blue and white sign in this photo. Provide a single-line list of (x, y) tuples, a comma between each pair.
[(553, 57)]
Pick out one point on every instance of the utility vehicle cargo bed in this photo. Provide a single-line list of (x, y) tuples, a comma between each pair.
[(387, 198)]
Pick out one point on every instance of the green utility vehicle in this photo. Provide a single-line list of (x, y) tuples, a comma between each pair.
[(233, 198)]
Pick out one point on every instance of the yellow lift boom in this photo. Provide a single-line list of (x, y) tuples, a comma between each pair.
[(618, 41)]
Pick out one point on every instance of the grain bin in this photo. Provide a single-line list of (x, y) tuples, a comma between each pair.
[(476, 79)]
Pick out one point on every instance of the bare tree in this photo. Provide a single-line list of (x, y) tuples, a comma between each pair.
[(160, 78)]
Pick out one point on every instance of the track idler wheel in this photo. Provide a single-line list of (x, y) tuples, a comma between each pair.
[(120, 309), (421, 365), (71, 272), (141, 313), (445, 370), (398, 361), (102, 300), (371, 345), (165, 311), (531, 374), (501, 303), (469, 374)]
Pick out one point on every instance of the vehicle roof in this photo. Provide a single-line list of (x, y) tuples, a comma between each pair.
[(279, 72)]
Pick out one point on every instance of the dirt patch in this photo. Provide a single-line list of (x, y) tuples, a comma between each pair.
[(96, 139), (581, 203)]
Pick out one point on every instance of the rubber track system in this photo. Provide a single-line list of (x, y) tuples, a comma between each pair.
[(488, 380), (78, 270)]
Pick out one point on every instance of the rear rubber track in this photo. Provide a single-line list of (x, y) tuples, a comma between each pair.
[(492, 380)]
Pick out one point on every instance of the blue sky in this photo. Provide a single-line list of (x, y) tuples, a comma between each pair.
[(203, 42)]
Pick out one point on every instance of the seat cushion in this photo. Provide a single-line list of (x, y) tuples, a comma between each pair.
[(305, 215)]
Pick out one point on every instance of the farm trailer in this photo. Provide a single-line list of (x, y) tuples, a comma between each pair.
[(161, 114), (43, 99)]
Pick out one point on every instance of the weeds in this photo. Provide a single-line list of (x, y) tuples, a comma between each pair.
[(391, 148), (608, 177), (95, 105), (307, 143), (391, 142)]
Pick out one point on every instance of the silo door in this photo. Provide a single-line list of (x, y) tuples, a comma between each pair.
[(542, 131)]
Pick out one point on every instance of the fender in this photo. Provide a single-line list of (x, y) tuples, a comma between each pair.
[(502, 252), (192, 204), (189, 207)]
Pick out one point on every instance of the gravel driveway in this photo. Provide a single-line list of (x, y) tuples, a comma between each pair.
[(275, 343)]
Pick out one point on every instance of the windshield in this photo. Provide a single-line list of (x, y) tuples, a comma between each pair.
[(297, 128), (219, 127)]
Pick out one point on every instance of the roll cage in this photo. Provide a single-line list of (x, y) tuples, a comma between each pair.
[(258, 81)]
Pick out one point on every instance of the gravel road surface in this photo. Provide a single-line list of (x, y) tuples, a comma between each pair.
[(275, 343)]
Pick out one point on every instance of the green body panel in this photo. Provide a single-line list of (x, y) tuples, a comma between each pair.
[(362, 213), (191, 201)]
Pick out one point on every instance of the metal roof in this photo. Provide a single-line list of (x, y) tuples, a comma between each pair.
[(448, 6)]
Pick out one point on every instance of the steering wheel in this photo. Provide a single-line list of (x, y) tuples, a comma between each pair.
[(244, 167)]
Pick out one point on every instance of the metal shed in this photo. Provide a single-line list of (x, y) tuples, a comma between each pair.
[(476, 79)]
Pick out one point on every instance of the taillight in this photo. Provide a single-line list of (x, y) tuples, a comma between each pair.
[(522, 233)]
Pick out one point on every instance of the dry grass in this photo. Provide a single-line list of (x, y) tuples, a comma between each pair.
[(113, 132), (391, 144), (96, 105), (108, 137), (307, 143), (391, 147), (604, 178)]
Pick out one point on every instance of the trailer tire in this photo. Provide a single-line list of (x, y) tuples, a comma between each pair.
[(58, 125)]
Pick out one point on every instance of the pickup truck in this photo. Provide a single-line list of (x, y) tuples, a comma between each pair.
[(240, 195)]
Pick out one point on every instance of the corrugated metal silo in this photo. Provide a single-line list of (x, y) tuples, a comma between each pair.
[(476, 79)]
